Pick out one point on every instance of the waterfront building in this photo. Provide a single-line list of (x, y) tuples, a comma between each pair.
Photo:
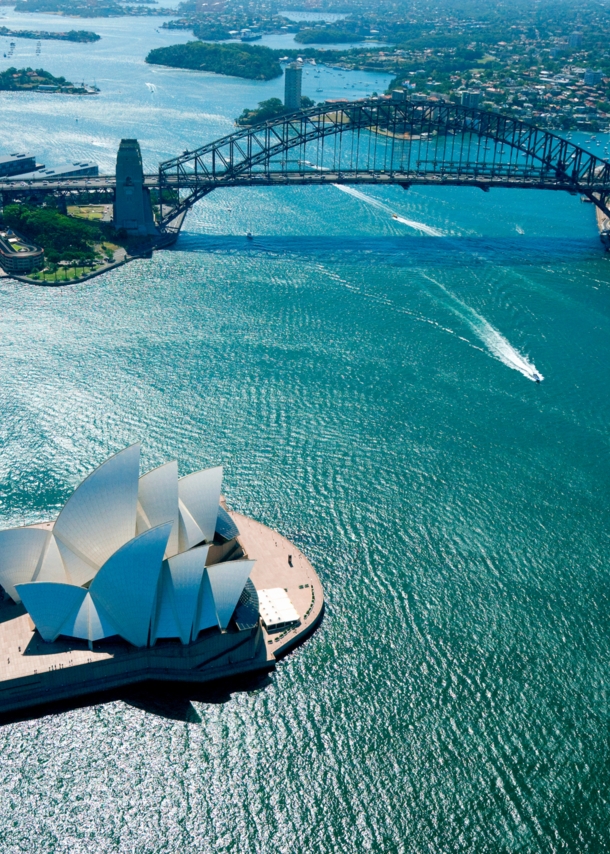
[(18, 255), (143, 558), (292, 86), (76, 169), (276, 610), (146, 578), (17, 164)]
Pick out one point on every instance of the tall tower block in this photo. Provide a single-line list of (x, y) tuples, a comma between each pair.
[(132, 205), (292, 86)]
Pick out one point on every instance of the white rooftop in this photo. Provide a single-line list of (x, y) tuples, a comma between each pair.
[(276, 609)]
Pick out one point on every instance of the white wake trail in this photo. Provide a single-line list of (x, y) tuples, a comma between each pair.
[(495, 342), (369, 200)]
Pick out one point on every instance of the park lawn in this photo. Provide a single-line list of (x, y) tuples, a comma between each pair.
[(91, 212)]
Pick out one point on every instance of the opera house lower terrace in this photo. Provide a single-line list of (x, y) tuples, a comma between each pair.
[(146, 578)]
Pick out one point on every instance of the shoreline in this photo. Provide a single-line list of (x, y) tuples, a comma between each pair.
[(161, 241)]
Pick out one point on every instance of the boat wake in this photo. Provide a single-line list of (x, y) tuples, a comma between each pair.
[(493, 340), (151, 88), (369, 200)]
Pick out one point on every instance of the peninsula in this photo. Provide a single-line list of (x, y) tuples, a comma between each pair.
[(28, 80), (76, 246), (272, 108), (146, 577), (545, 62)]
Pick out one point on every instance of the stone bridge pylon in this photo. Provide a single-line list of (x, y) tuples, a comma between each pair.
[(132, 203)]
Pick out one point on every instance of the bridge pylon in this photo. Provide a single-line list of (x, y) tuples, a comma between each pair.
[(132, 205)]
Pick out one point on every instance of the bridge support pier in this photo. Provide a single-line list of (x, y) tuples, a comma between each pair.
[(132, 204)]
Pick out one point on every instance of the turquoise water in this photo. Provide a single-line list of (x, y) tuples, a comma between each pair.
[(367, 386)]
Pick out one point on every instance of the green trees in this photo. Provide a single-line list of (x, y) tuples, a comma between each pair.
[(211, 32), (62, 237), (26, 78), (272, 108), (269, 109), (236, 60)]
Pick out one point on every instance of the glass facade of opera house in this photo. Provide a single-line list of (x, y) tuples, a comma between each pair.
[(144, 558)]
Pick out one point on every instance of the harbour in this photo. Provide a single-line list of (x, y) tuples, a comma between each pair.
[(364, 381)]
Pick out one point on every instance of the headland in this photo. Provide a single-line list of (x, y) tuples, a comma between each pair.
[(35, 674)]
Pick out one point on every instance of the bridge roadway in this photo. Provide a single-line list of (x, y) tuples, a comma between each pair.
[(374, 142), (476, 177)]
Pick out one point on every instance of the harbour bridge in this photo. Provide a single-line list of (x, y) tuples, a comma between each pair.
[(375, 141)]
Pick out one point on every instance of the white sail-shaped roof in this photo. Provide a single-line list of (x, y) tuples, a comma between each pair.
[(21, 552), (184, 573), (126, 585), (89, 623), (50, 605), (158, 502), (200, 494), (136, 544), (51, 568), (187, 573), (177, 602), (165, 622), (100, 515), (227, 581), (190, 534), (206, 616), (78, 569)]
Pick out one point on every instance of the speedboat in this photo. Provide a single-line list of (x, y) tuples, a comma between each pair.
[(536, 377), (249, 235)]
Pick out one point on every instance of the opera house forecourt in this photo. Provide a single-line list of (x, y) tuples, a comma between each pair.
[(146, 578)]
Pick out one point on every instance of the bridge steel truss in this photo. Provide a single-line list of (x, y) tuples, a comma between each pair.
[(379, 141)]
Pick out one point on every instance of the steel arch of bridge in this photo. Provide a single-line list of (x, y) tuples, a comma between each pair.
[(380, 141)]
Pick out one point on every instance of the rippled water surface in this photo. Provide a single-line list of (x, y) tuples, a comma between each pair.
[(366, 381)]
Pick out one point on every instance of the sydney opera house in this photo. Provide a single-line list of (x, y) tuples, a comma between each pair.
[(142, 562)]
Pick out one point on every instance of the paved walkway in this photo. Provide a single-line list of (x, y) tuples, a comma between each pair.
[(273, 569)]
